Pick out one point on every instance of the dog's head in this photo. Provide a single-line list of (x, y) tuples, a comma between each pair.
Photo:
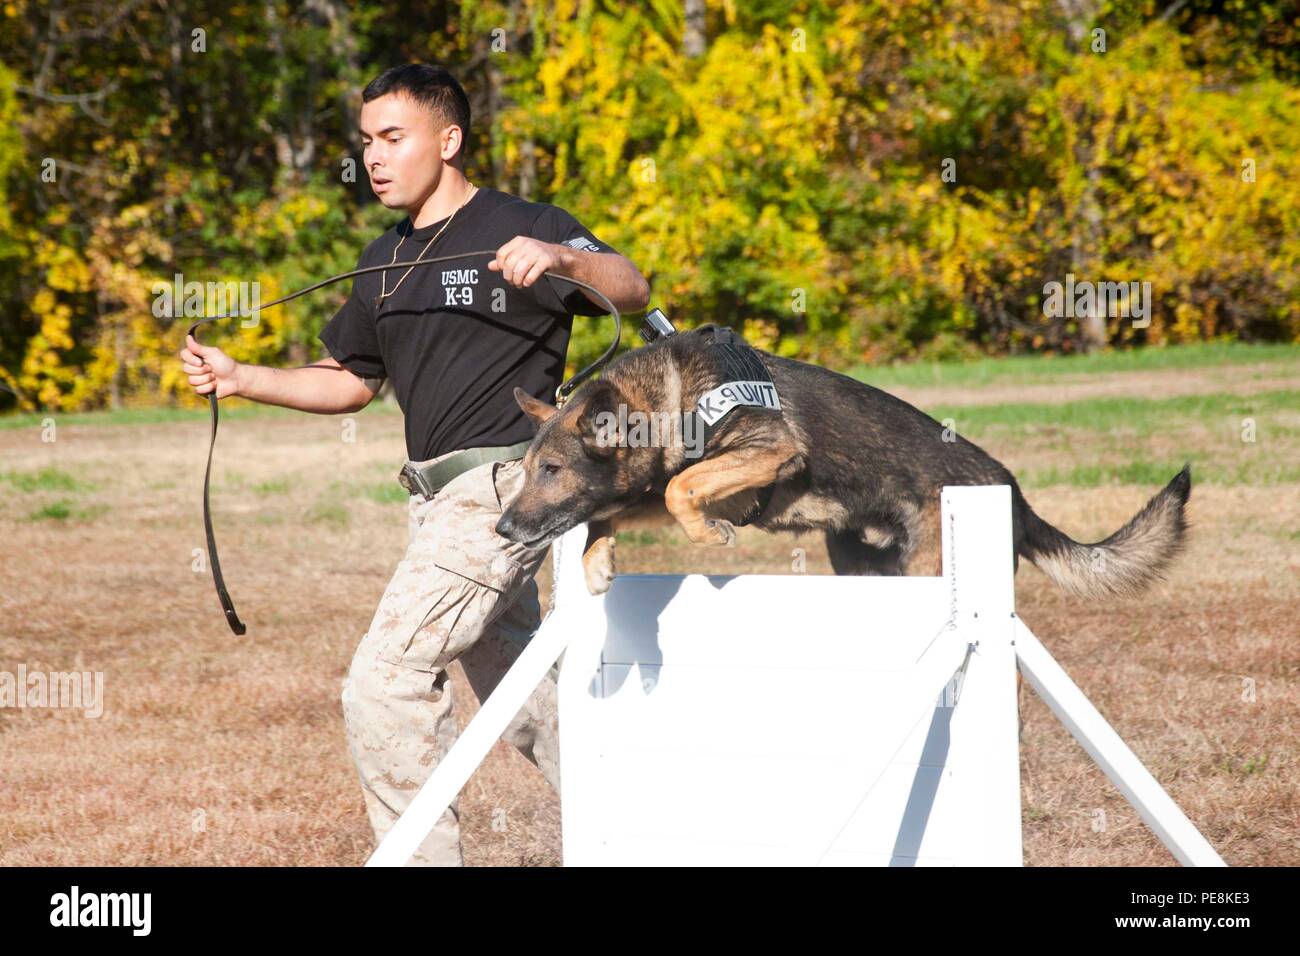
[(578, 467)]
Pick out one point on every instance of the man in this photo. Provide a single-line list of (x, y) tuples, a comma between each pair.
[(455, 338)]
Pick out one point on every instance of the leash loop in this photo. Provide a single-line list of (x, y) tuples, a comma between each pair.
[(561, 393)]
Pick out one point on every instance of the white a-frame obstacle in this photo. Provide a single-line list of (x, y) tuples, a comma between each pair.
[(796, 719)]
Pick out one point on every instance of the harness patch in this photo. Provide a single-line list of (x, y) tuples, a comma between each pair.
[(746, 379), (713, 405)]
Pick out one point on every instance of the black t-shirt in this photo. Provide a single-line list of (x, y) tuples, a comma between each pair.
[(457, 338)]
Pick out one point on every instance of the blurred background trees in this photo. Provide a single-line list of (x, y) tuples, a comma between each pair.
[(843, 182)]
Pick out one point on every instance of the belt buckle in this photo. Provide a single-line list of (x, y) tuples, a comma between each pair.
[(410, 479)]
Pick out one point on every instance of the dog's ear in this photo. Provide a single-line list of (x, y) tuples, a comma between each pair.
[(534, 408), (599, 424)]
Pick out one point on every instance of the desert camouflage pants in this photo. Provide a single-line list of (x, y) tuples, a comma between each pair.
[(460, 591)]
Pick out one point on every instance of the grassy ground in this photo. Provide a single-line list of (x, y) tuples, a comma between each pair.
[(221, 750)]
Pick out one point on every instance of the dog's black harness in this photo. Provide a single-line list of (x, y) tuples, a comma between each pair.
[(745, 381)]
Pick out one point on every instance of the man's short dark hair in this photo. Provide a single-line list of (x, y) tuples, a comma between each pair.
[(432, 87)]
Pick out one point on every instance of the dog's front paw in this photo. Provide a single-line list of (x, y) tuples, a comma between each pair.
[(598, 566), (720, 532)]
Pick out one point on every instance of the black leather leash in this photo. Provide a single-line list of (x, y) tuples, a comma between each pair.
[(561, 393)]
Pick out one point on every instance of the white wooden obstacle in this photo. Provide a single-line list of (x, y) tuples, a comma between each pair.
[(796, 719)]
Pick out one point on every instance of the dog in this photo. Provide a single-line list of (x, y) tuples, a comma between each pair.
[(826, 453)]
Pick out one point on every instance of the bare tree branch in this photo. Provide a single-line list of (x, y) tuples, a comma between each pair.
[(102, 29), (82, 100)]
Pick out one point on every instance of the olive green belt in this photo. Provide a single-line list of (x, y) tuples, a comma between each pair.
[(429, 479)]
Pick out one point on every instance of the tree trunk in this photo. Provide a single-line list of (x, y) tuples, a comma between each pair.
[(493, 97), (119, 369), (279, 133), (694, 41), (527, 168), (1085, 230), (343, 45)]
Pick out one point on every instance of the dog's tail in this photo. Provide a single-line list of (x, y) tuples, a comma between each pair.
[(1124, 563)]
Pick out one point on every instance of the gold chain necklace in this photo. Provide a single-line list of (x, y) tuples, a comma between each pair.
[(383, 276)]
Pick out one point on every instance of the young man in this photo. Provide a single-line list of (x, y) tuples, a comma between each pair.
[(455, 338)]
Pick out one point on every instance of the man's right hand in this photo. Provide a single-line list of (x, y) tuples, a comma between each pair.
[(208, 367)]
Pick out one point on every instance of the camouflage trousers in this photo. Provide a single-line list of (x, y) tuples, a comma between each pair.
[(463, 592)]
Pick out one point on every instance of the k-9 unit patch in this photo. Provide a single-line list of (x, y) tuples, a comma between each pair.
[(713, 405)]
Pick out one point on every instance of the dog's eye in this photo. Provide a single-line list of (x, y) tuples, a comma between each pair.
[(550, 468)]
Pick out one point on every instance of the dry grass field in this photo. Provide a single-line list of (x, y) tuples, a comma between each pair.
[(218, 750)]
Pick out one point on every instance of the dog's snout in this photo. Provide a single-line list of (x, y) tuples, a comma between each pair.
[(506, 526)]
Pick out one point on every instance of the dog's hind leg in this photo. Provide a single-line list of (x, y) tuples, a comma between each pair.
[(923, 550), (865, 551)]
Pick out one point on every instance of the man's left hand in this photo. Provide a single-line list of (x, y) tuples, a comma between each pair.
[(522, 260)]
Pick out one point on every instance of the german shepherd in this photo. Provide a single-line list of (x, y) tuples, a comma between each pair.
[(839, 456)]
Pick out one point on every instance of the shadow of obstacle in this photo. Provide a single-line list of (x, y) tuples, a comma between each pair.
[(634, 617), (925, 788)]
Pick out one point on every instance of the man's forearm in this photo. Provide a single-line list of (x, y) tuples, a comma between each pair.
[(611, 273), (314, 388)]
